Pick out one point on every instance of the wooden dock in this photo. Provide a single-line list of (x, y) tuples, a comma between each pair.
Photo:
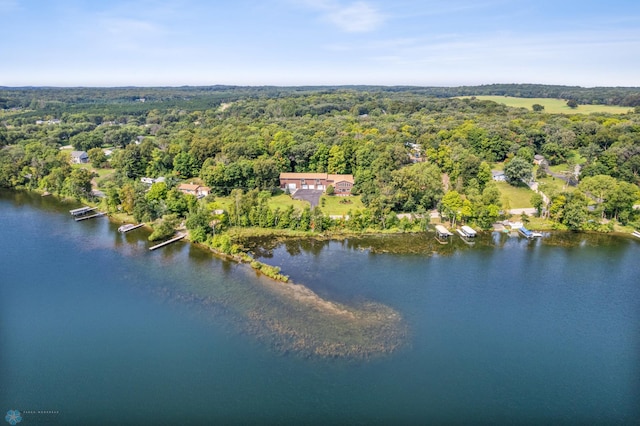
[(173, 240), (78, 219), (82, 210), (129, 227)]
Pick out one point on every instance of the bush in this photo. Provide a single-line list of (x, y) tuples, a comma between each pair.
[(331, 190)]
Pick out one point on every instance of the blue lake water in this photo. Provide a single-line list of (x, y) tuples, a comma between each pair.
[(99, 330)]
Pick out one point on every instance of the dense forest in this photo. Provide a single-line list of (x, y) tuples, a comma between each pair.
[(410, 150)]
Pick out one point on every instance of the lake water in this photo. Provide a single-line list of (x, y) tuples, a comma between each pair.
[(96, 329)]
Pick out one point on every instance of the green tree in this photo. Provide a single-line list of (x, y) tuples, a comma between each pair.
[(330, 190), (157, 192), (451, 206), (599, 188), (621, 201), (165, 228), (129, 162), (98, 158), (78, 184), (185, 165), (538, 107), (518, 170), (575, 211), (537, 202), (337, 162), (484, 174)]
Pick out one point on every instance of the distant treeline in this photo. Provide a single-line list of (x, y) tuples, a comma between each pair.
[(130, 100)]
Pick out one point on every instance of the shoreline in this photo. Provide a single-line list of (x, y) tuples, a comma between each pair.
[(304, 322)]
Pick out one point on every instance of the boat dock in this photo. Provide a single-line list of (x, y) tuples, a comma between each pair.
[(173, 240), (467, 232), (442, 234), (528, 234), (129, 227), (78, 219), (82, 210)]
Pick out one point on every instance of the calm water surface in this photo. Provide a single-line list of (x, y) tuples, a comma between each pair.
[(98, 329)]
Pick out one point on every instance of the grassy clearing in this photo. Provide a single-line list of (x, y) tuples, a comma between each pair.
[(550, 185), (554, 106), (519, 196), (334, 207), (283, 201), (103, 174)]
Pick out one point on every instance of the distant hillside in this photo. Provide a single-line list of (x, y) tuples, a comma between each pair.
[(204, 97)]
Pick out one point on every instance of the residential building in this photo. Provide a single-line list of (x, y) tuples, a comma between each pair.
[(79, 157), (342, 184), (194, 189)]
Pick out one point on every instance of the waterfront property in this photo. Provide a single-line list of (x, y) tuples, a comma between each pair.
[(342, 184)]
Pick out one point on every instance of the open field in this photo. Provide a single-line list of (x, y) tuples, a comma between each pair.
[(550, 185), (519, 196), (283, 201), (333, 206), (554, 106), (103, 174)]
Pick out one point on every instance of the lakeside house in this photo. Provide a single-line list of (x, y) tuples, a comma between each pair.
[(342, 184), (79, 157), (194, 189)]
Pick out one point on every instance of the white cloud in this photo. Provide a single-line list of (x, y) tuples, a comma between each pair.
[(357, 17)]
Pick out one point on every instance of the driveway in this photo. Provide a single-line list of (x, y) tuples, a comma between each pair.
[(310, 195)]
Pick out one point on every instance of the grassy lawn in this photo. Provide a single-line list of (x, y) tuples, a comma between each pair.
[(519, 196), (102, 173), (333, 206), (554, 106), (549, 185), (283, 201)]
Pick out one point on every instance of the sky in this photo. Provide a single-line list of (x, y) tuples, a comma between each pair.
[(319, 42)]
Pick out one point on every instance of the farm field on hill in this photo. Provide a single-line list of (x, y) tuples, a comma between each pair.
[(554, 106)]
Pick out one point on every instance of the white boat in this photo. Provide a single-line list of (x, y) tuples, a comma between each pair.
[(636, 234)]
